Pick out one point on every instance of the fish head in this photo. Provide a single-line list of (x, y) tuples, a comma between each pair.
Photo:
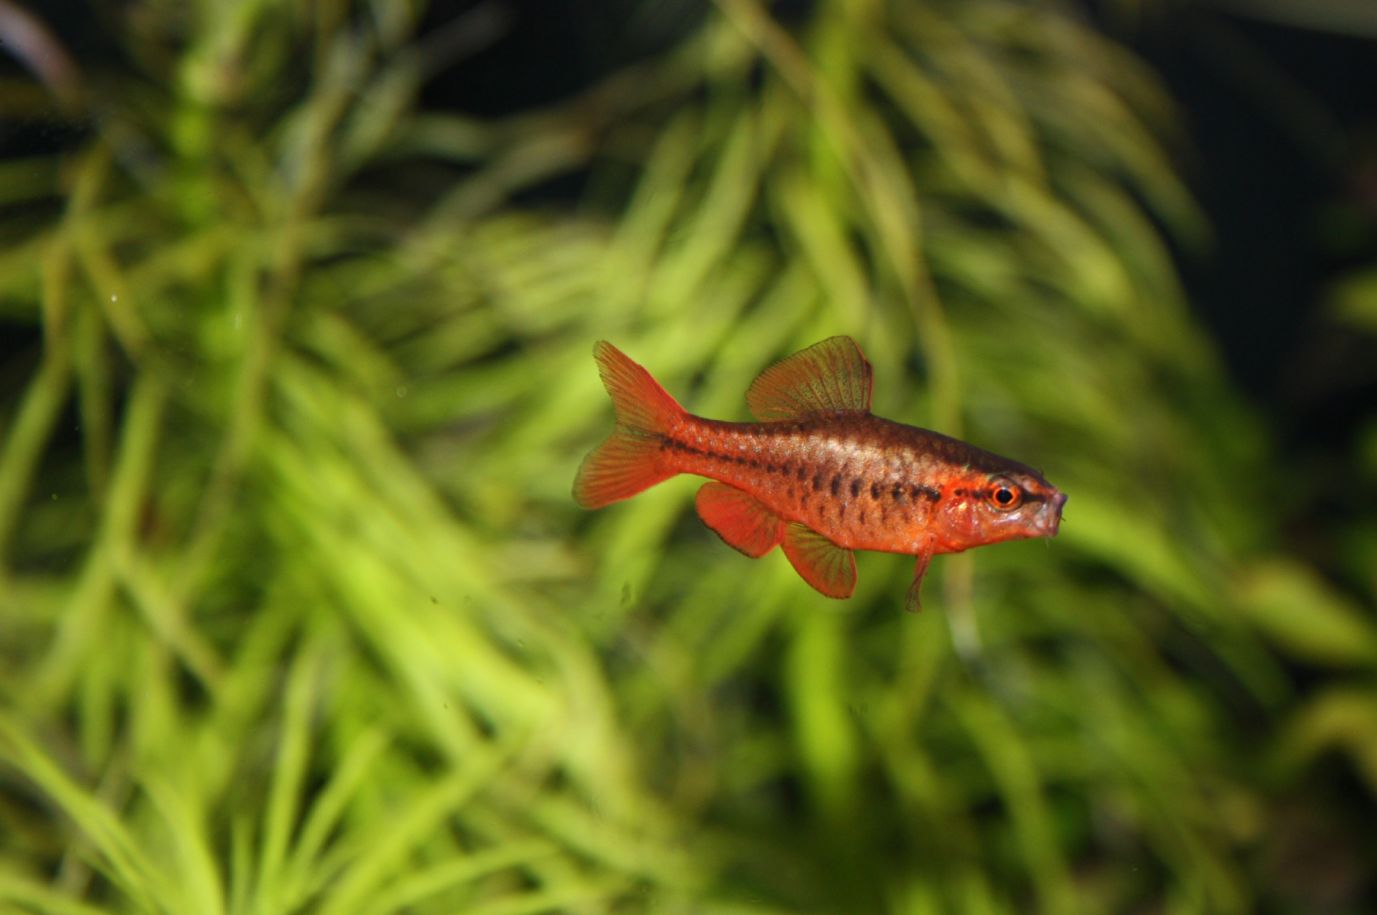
[(981, 506)]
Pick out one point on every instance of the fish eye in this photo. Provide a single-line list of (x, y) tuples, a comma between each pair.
[(1004, 495)]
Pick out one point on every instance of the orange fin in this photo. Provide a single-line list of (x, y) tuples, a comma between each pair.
[(739, 519), (827, 377), (628, 461), (824, 565), (912, 602)]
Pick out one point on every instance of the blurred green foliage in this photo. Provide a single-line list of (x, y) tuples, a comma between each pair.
[(298, 614)]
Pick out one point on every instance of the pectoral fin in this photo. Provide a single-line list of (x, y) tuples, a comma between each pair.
[(912, 603), (739, 519), (824, 565)]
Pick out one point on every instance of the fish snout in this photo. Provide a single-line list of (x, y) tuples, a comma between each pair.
[(1050, 517)]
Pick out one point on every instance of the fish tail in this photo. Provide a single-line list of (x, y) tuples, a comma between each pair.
[(628, 461)]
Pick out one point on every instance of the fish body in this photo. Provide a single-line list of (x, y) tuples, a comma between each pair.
[(819, 475)]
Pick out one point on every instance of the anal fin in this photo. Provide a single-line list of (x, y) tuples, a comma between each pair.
[(739, 519), (827, 567)]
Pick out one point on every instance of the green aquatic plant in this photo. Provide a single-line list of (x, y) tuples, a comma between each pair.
[(299, 614)]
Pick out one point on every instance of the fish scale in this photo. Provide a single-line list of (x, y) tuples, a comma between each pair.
[(863, 482), (819, 475)]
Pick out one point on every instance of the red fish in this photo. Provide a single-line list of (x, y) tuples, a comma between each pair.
[(818, 474)]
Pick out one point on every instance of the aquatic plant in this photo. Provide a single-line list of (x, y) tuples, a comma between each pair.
[(299, 615)]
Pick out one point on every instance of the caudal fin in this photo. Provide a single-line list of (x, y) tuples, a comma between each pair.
[(628, 461)]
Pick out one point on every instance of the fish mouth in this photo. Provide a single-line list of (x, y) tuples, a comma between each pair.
[(1049, 520)]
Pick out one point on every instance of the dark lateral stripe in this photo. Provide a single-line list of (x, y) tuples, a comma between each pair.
[(673, 444), (897, 491), (927, 492)]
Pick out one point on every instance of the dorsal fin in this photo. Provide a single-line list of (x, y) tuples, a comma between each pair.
[(827, 377)]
